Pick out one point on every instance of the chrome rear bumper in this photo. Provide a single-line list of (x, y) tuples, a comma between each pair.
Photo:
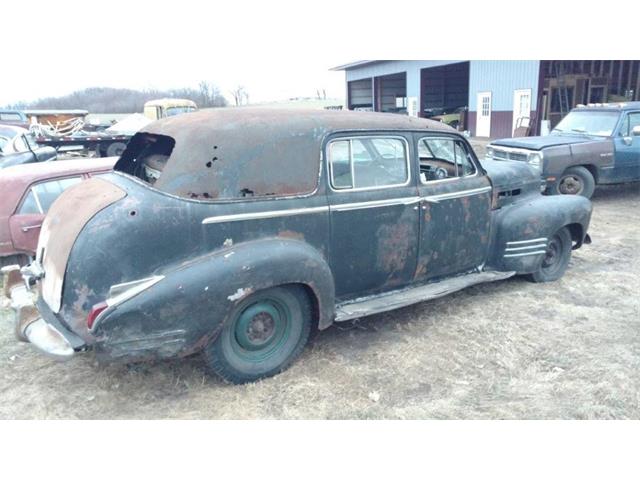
[(30, 326)]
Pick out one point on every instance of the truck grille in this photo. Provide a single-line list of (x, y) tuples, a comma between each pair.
[(509, 155)]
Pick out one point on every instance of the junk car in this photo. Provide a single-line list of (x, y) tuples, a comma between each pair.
[(18, 146), (237, 233), (594, 144), (27, 192)]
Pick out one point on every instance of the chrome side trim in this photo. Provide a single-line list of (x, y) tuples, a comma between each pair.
[(124, 291), (374, 203), (537, 252), (452, 195), (528, 247), (533, 240), (268, 214)]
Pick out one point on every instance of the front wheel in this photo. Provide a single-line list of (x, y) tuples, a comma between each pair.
[(264, 334), (576, 181), (556, 258)]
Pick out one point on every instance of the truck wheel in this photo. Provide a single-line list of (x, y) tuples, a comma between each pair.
[(576, 181), (115, 149), (264, 334), (556, 259)]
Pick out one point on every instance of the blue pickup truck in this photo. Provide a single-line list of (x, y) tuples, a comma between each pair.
[(594, 144)]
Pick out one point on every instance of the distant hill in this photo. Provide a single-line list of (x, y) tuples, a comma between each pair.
[(124, 100)]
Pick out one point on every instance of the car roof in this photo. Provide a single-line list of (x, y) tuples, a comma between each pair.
[(290, 120), (619, 106), (249, 137)]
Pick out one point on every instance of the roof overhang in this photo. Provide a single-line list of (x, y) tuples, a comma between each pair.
[(356, 64)]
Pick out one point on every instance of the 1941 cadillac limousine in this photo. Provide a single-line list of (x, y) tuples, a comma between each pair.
[(239, 232)]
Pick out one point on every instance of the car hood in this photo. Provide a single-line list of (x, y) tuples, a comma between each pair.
[(538, 143)]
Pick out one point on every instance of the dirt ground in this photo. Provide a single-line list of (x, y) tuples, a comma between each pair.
[(506, 350)]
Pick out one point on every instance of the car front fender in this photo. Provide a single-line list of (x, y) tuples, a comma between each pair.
[(525, 227)]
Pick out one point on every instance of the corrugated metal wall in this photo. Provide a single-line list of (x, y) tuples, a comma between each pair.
[(501, 78)]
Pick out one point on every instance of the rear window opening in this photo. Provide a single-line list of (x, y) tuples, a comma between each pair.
[(193, 165), (146, 156)]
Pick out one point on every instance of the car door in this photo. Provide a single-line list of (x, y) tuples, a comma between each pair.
[(373, 205), (455, 207), (25, 223), (627, 149)]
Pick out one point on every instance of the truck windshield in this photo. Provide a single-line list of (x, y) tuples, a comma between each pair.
[(600, 124), (171, 111)]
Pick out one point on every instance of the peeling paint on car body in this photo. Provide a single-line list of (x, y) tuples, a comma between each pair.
[(342, 245)]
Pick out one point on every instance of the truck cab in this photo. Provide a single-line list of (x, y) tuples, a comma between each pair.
[(168, 107), (594, 144)]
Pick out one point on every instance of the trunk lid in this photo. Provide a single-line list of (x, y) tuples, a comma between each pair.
[(64, 221)]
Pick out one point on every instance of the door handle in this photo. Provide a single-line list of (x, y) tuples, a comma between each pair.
[(30, 227)]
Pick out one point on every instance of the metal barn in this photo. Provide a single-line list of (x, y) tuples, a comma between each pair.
[(489, 98)]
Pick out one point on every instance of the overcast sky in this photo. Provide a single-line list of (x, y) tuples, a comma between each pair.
[(277, 49), (64, 46)]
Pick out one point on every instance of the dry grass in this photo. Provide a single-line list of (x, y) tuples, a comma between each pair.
[(512, 349)]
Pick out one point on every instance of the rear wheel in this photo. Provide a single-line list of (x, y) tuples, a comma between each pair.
[(264, 334), (576, 181), (556, 258)]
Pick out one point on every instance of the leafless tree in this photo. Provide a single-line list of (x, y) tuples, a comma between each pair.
[(240, 95), (124, 100)]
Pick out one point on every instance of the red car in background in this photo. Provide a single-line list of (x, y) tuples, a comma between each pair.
[(27, 192)]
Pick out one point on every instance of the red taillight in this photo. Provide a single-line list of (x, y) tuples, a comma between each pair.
[(95, 311)]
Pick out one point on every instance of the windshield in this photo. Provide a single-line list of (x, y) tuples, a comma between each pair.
[(171, 111), (589, 122)]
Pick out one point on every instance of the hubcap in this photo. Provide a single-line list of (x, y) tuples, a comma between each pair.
[(261, 329), (571, 185)]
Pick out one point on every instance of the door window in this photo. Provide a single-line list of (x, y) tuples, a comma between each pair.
[(42, 195), (361, 163), (443, 158), (631, 121)]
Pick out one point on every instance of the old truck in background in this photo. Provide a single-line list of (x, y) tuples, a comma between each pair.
[(168, 107), (594, 144)]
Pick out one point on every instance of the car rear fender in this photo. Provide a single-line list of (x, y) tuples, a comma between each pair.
[(187, 308)]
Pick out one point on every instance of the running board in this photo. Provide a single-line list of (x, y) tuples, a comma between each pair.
[(408, 296)]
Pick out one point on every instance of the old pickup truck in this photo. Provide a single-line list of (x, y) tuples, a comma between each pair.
[(238, 232), (594, 144)]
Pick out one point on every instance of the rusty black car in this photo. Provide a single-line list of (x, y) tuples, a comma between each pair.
[(237, 233)]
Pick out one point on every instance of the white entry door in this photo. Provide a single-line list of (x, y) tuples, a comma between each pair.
[(521, 108), (483, 115)]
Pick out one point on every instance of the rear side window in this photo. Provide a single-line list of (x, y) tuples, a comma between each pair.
[(42, 195), (368, 162), (443, 158)]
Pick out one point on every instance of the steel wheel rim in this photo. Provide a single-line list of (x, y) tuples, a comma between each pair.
[(261, 329), (553, 255), (571, 185)]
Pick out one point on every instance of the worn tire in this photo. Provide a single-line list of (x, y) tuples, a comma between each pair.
[(263, 335), (576, 181), (556, 259), (115, 149)]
